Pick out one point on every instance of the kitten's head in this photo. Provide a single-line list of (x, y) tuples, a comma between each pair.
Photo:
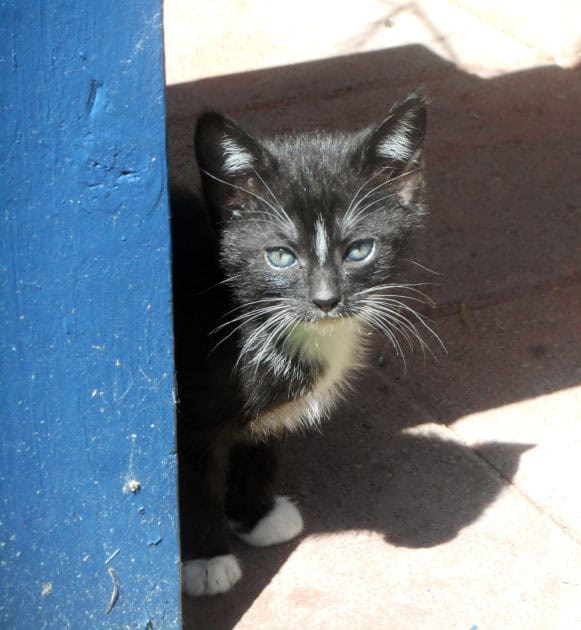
[(312, 225)]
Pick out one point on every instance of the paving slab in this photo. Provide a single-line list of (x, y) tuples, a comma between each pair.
[(518, 368), (445, 495)]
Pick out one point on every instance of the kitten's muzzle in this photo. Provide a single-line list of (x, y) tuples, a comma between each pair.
[(325, 291)]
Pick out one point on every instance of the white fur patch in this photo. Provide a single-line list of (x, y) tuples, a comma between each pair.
[(397, 145), (236, 158), (407, 189), (210, 577), (282, 523), (339, 344), (321, 242)]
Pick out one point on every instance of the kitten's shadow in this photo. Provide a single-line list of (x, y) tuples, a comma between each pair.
[(365, 473), (417, 490)]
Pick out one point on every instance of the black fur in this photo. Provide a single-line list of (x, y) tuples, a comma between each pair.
[(289, 194)]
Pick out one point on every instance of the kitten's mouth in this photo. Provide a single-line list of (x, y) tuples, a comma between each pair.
[(327, 323), (327, 317)]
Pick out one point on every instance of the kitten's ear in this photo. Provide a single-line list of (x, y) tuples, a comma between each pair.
[(228, 158), (223, 149), (397, 141)]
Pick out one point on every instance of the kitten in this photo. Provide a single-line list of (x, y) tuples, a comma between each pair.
[(303, 234)]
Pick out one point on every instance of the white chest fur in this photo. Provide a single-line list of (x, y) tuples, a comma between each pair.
[(338, 345)]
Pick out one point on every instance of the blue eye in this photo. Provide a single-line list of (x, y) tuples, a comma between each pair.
[(360, 250), (280, 257)]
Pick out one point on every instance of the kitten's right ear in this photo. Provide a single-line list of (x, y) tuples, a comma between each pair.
[(228, 159), (223, 149)]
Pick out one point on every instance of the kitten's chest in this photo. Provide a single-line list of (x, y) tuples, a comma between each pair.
[(338, 347)]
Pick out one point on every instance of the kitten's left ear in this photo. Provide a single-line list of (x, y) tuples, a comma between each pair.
[(395, 144), (394, 147)]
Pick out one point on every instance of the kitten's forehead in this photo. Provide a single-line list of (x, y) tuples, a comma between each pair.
[(316, 210), (321, 241)]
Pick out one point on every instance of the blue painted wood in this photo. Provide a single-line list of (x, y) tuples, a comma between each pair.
[(88, 517)]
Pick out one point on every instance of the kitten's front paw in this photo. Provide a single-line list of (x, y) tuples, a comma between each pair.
[(282, 523), (210, 577)]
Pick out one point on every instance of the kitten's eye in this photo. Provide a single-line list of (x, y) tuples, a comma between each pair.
[(280, 257), (360, 250)]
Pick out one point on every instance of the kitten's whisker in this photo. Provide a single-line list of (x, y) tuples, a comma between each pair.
[(437, 273), (423, 345), (352, 210), (274, 197), (367, 181), (248, 317), (434, 334), (282, 330), (392, 296), (408, 287), (261, 301), (258, 332), (397, 285), (405, 174), (376, 322), (354, 198), (400, 322), (348, 218), (249, 341), (245, 319), (420, 318), (274, 222), (279, 325), (403, 327), (249, 192), (403, 323), (273, 219), (213, 286), (349, 222), (394, 300)]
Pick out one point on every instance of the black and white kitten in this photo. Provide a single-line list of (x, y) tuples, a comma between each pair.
[(304, 234)]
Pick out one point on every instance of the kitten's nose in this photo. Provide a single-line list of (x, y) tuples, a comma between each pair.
[(326, 304), (325, 291)]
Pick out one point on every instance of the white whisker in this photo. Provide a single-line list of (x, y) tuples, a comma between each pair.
[(402, 324), (392, 305), (274, 197), (244, 319), (349, 222), (408, 287), (270, 300), (413, 262), (285, 222), (377, 322), (353, 208)]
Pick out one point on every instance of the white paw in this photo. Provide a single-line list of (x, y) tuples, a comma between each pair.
[(210, 577), (282, 523)]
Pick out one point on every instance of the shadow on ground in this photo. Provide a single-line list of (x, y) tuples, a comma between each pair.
[(505, 189)]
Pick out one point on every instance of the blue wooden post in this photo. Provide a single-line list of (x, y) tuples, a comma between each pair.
[(88, 516)]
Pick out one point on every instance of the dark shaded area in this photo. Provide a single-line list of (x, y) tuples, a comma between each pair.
[(503, 167)]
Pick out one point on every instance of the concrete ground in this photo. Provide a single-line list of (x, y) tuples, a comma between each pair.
[(445, 496)]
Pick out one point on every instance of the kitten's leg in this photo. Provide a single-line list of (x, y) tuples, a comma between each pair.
[(208, 567), (257, 516)]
